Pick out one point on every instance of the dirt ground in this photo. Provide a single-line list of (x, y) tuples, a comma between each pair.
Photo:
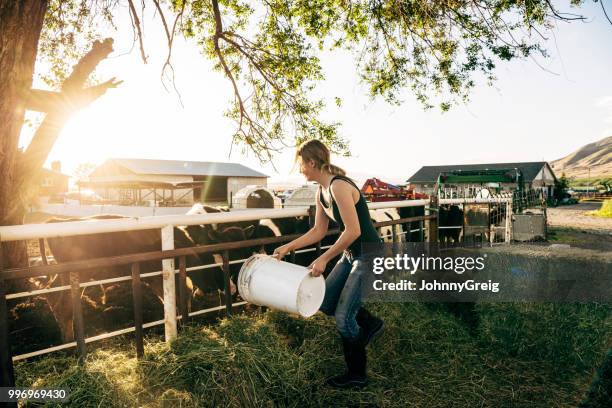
[(576, 217), (589, 237)]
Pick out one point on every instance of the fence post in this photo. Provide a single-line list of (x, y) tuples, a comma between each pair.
[(432, 233), (408, 225), (422, 229), (137, 298), (227, 275), (463, 212), (508, 232), (167, 235), (43, 251), (77, 315), (7, 375), (312, 211), (492, 228), (183, 292)]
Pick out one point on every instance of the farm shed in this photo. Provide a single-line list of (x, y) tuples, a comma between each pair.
[(170, 182), (53, 183), (536, 176)]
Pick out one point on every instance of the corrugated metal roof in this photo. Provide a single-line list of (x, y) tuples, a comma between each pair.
[(186, 168), (429, 174)]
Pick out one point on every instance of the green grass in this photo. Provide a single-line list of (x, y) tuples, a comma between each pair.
[(520, 355), (605, 210), (562, 236)]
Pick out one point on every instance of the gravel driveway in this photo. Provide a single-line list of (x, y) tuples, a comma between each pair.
[(575, 216)]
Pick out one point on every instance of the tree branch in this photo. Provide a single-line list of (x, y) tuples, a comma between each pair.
[(136, 26), (72, 91), (99, 51), (49, 101)]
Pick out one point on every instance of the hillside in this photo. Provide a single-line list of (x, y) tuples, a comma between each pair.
[(597, 156)]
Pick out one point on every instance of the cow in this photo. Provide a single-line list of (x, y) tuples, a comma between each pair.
[(227, 232), (382, 215), (449, 216), (76, 248), (407, 212), (266, 228), (300, 225)]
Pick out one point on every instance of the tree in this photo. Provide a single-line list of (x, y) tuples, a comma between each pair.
[(268, 52), (83, 170), (561, 186)]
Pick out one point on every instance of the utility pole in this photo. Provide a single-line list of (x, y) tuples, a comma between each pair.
[(589, 182)]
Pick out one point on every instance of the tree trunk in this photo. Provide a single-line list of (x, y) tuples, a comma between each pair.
[(20, 26)]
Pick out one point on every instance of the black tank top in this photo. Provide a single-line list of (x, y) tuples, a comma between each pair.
[(368, 232)]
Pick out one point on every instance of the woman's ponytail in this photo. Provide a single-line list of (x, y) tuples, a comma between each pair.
[(333, 169)]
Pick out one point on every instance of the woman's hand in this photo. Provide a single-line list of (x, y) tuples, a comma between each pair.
[(281, 251), (318, 266)]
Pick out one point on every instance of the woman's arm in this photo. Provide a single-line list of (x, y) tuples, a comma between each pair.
[(315, 234), (343, 195)]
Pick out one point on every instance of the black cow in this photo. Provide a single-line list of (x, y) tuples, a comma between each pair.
[(449, 216), (75, 248), (266, 228)]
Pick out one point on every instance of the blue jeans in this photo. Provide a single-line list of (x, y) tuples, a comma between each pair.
[(343, 294)]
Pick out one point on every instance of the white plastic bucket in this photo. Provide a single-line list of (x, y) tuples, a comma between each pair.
[(266, 281)]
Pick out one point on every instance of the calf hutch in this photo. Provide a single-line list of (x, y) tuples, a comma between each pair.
[(305, 195), (170, 182), (537, 176), (254, 196)]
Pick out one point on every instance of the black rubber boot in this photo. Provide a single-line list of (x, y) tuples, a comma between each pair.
[(371, 325), (355, 356)]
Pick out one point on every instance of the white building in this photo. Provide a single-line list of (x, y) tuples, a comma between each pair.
[(170, 182)]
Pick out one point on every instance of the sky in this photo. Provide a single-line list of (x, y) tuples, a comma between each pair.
[(530, 114)]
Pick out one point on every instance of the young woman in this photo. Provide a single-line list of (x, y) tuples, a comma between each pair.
[(341, 200)]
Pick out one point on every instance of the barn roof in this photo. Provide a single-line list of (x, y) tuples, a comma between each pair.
[(429, 174), (186, 168)]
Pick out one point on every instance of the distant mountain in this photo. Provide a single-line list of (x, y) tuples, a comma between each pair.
[(597, 156)]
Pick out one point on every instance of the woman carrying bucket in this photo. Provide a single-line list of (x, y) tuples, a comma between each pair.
[(341, 200)]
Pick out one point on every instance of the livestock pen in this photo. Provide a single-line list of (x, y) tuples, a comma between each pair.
[(166, 255), (545, 353)]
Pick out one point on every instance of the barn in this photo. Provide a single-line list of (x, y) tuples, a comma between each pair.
[(536, 176), (170, 182)]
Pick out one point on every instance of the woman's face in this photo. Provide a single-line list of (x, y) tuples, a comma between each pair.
[(308, 169)]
